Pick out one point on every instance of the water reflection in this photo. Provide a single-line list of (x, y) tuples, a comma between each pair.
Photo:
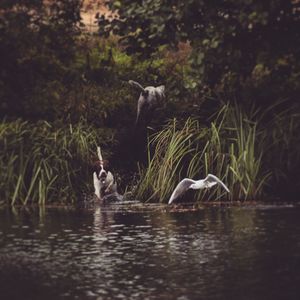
[(107, 253)]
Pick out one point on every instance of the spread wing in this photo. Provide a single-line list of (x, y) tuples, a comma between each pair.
[(137, 85), (111, 184), (144, 111), (211, 180), (141, 107), (96, 184), (182, 186), (160, 91), (110, 177)]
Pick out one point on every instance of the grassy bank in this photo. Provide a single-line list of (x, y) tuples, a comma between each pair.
[(46, 163), (254, 157), (257, 158)]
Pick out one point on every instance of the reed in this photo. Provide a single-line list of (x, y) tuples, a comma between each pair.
[(283, 144), (230, 148), (41, 163)]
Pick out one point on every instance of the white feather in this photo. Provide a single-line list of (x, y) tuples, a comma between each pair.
[(206, 183)]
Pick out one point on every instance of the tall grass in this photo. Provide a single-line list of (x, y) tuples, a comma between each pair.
[(43, 164), (231, 148), (283, 155)]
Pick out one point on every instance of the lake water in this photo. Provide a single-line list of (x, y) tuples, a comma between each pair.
[(249, 252)]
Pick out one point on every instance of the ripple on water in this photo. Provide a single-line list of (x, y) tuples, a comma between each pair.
[(147, 255)]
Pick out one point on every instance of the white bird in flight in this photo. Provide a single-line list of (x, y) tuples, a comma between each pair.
[(187, 183)]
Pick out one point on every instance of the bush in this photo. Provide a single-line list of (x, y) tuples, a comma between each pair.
[(46, 163), (236, 147)]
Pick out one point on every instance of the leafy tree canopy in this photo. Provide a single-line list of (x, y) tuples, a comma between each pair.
[(250, 47), (37, 43)]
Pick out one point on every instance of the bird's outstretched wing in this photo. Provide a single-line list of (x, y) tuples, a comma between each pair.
[(141, 107), (136, 84), (97, 186), (182, 186), (112, 185), (212, 180)]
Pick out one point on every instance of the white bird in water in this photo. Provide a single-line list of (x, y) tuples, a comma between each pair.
[(187, 183)]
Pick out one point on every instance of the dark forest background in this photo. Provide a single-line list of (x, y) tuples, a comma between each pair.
[(231, 70)]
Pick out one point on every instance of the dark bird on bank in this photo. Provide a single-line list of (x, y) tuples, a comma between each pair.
[(150, 98), (187, 183)]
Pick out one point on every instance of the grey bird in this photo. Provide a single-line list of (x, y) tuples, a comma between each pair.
[(150, 98), (206, 183)]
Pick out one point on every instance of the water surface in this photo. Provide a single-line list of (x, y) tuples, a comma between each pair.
[(250, 252)]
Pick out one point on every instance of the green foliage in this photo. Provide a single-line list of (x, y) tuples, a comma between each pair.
[(50, 70), (42, 163), (106, 99), (236, 147), (37, 45), (245, 48), (282, 146)]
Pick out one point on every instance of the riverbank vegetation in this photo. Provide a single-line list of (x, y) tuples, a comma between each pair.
[(232, 86), (236, 146), (43, 163)]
